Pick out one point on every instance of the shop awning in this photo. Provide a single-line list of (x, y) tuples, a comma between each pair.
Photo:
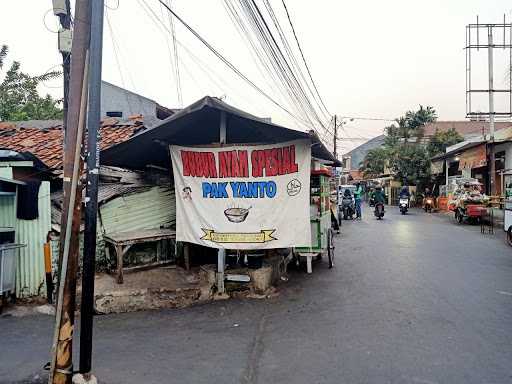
[(474, 157)]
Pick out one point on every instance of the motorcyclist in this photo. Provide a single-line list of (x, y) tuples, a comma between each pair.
[(378, 195), (427, 194), (404, 193), (370, 196)]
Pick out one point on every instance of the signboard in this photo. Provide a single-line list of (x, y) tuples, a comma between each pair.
[(437, 167), (243, 197), (473, 158)]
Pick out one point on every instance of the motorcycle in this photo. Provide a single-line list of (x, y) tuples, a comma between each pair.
[(347, 207), (428, 203), (379, 211), (372, 201), (403, 204)]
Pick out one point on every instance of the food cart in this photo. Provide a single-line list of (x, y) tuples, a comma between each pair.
[(322, 234), (467, 201)]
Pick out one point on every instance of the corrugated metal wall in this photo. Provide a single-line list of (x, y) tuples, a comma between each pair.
[(150, 209), (147, 210), (30, 268), (7, 211)]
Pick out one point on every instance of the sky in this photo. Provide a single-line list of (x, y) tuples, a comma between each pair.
[(369, 59)]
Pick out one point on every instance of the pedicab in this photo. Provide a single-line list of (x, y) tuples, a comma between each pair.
[(322, 234)]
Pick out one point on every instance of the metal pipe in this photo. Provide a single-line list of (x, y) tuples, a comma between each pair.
[(491, 111)]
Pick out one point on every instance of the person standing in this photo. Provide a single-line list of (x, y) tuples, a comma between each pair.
[(358, 195)]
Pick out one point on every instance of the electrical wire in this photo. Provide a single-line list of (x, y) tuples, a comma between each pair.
[(172, 60), (227, 62), (280, 57), (367, 118), (112, 8), (44, 21), (303, 58), (116, 55), (214, 78), (177, 67)]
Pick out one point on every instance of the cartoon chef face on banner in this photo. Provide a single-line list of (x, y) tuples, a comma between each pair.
[(243, 197)]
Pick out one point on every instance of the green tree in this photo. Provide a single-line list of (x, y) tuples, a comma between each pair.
[(374, 162), (412, 166), (3, 53), (418, 119), (19, 99), (409, 160), (441, 140)]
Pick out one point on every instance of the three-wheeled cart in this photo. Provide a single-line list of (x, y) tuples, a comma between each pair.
[(470, 212), (322, 235)]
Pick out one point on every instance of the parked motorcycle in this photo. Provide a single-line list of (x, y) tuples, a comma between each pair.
[(379, 211), (403, 204), (428, 203), (348, 207)]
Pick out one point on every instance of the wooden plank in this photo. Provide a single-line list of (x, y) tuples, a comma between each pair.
[(149, 266), (141, 236)]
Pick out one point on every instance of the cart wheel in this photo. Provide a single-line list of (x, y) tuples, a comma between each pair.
[(509, 236), (330, 247)]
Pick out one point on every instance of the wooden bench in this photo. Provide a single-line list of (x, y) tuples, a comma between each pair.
[(122, 242)]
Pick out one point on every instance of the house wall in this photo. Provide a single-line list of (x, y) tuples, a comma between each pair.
[(114, 98), (30, 276)]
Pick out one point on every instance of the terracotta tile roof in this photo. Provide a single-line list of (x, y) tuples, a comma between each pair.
[(465, 128), (46, 143)]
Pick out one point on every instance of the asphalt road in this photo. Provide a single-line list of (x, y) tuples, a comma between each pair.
[(412, 299)]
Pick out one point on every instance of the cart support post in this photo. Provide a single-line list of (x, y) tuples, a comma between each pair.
[(221, 254)]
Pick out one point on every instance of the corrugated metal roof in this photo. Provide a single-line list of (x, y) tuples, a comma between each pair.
[(198, 124)]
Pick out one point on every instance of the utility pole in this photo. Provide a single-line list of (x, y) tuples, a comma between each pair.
[(62, 357), (474, 43), (91, 200), (335, 138), (492, 168), (63, 12)]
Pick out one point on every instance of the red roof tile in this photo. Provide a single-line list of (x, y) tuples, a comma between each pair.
[(46, 144), (465, 128)]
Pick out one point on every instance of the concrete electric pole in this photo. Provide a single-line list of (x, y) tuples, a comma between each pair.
[(91, 202)]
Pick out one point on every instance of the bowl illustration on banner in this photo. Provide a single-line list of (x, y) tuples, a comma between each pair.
[(237, 215)]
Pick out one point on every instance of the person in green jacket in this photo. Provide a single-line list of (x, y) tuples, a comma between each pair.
[(358, 195), (379, 195)]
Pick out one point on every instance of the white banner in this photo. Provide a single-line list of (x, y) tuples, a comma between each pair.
[(243, 197)]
